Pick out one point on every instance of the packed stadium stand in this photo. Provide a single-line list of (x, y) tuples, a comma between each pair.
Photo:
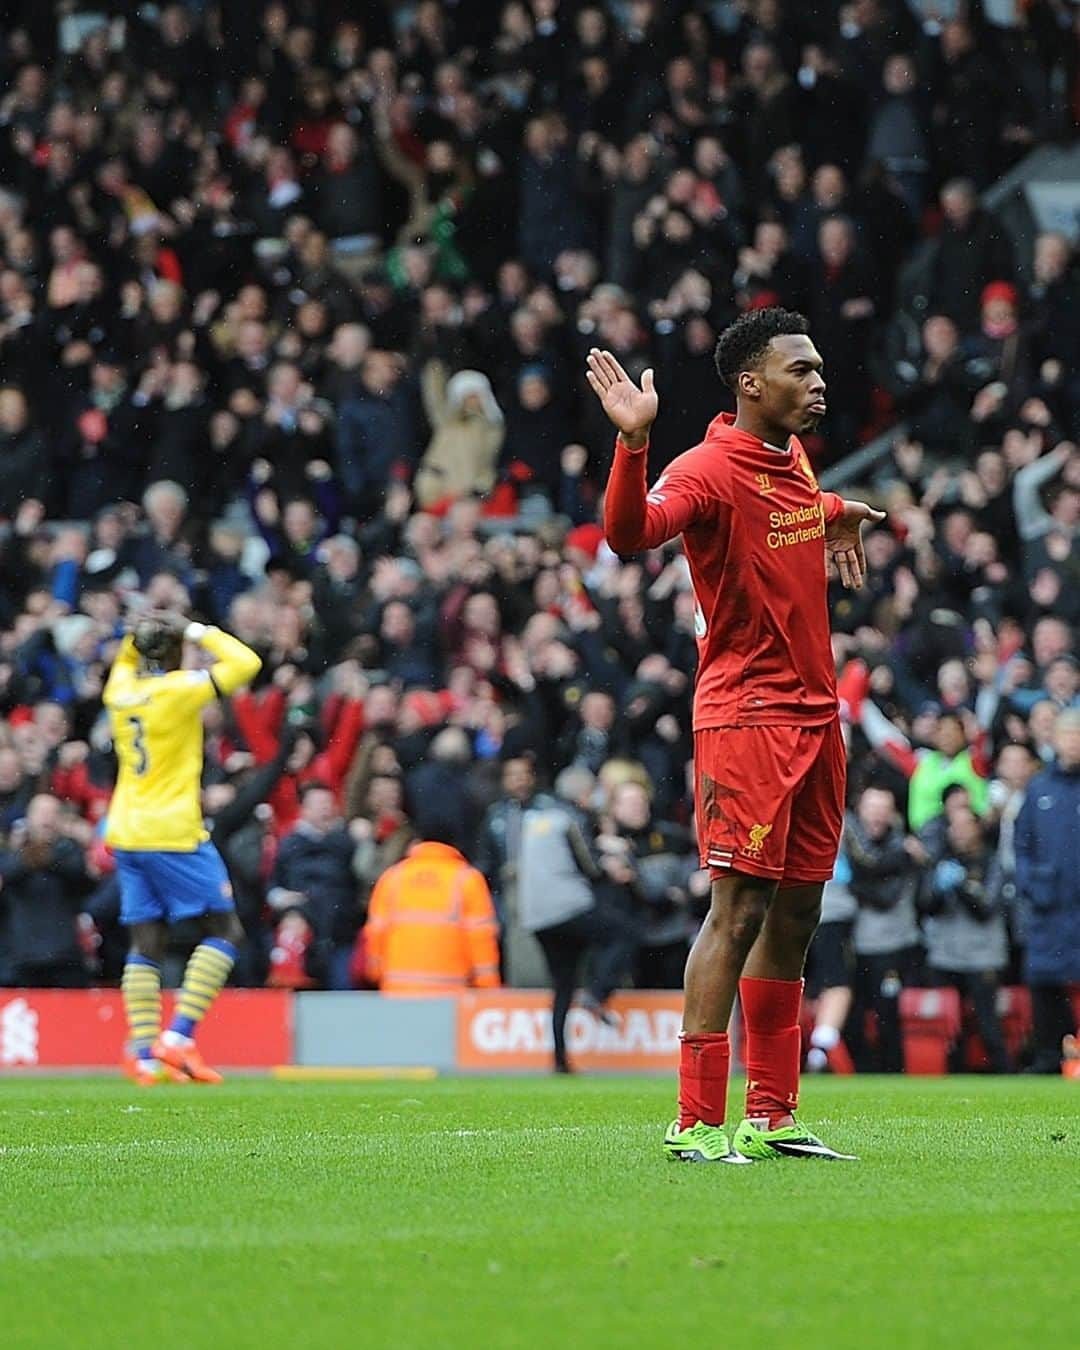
[(294, 307)]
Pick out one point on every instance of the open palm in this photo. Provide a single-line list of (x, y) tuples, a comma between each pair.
[(844, 543), (632, 410)]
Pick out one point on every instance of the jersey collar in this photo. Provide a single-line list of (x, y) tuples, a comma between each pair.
[(727, 420)]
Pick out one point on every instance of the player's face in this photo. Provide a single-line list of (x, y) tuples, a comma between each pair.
[(792, 385)]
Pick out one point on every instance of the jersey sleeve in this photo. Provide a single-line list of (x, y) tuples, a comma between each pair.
[(637, 517), (235, 664), (833, 504), (122, 676)]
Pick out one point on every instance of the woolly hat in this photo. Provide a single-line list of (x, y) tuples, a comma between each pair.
[(1000, 290), (467, 382), (69, 631), (587, 538)]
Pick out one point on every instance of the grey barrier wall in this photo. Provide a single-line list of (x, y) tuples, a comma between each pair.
[(359, 1030)]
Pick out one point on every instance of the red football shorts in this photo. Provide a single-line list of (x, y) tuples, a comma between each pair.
[(770, 800)]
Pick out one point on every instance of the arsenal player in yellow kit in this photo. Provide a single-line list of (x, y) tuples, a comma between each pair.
[(167, 867), (769, 756)]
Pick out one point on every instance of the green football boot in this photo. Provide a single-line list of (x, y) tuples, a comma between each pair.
[(760, 1144), (700, 1144)]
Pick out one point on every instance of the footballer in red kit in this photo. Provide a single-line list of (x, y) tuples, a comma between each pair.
[(770, 762)]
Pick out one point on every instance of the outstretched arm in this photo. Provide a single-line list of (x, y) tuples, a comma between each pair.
[(1032, 517), (887, 737)]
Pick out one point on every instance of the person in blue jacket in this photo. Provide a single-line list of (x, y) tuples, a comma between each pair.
[(1048, 881)]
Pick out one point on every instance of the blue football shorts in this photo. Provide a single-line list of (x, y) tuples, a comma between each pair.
[(160, 887)]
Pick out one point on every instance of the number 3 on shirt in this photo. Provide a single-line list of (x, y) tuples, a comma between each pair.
[(138, 744)]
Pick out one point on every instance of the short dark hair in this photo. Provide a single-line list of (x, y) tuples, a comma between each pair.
[(1018, 745), (742, 346), (516, 750)]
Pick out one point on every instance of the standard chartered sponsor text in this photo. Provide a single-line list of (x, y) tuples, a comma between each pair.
[(796, 527)]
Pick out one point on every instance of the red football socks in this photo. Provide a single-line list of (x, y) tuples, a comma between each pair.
[(773, 1047), (704, 1067)]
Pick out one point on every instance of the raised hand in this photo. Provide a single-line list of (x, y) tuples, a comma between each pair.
[(843, 541), (173, 621), (630, 409)]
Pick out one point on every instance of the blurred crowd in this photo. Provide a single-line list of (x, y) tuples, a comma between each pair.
[(294, 301)]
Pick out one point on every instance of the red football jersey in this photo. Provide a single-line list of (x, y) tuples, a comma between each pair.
[(752, 518)]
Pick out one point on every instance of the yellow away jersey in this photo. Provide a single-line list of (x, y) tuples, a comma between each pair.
[(157, 732)]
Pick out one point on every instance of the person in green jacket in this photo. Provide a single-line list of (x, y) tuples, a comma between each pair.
[(954, 758), (951, 761)]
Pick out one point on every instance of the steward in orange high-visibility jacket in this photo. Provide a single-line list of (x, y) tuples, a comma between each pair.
[(431, 926)]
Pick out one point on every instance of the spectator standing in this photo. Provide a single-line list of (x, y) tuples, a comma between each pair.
[(558, 905), (24, 455), (468, 431), (431, 926), (896, 137), (931, 771), (934, 385), (971, 253), (43, 883), (841, 309), (1047, 843), (1017, 765), (831, 973), (499, 858), (313, 874), (652, 874), (551, 218), (1034, 520), (261, 719), (102, 448), (446, 782), (16, 789), (886, 937), (238, 817), (347, 192), (375, 431), (967, 939)]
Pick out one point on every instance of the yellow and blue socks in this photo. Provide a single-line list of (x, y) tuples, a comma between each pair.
[(207, 970), (141, 988)]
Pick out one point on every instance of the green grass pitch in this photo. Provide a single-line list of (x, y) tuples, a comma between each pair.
[(522, 1213)]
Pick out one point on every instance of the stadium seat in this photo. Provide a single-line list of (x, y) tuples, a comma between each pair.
[(930, 1022)]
